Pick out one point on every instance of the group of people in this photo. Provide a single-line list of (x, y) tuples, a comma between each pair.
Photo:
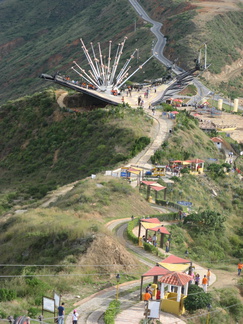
[(61, 314), (205, 280), (149, 293)]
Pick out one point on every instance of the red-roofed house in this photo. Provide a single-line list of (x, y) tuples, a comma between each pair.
[(217, 141)]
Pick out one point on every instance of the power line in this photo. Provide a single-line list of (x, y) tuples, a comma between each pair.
[(96, 265)]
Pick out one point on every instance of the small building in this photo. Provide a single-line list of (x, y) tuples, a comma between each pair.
[(217, 141), (172, 300)]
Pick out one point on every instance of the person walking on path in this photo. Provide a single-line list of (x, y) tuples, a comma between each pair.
[(61, 313), (197, 279), (240, 266), (208, 276), (167, 246), (75, 317), (154, 240), (205, 283)]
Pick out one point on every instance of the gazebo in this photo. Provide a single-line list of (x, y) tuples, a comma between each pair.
[(155, 272), (153, 224), (154, 186), (173, 302), (196, 165)]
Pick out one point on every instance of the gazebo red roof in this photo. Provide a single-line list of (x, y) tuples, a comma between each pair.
[(148, 183), (161, 228), (174, 259), (176, 278), (151, 220), (156, 271), (156, 188), (195, 161)]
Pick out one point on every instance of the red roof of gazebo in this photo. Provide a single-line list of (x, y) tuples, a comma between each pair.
[(195, 161), (156, 271), (151, 220), (162, 229), (156, 188), (176, 278), (174, 259), (148, 183)]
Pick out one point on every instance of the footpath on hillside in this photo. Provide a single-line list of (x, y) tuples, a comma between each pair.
[(92, 308)]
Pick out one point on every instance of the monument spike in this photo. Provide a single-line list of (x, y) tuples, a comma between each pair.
[(101, 62), (86, 74), (140, 67), (126, 64), (82, 76), (95, 60), (86, 52)]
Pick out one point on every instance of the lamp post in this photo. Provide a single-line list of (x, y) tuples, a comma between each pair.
[(117, 285)]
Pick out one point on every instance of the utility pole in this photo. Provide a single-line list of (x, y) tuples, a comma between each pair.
[(135, 25)]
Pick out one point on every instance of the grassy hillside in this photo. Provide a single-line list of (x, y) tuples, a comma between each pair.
[(43, 146), (71, 235), (187, 27), (187, 142)]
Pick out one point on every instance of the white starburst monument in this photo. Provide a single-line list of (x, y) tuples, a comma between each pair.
[(102, 73)]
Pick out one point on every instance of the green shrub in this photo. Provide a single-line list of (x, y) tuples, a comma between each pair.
[(3, 314), (228, 299), (7, 294), (130, 227), (33, 312), (196, 298), (112, 311)]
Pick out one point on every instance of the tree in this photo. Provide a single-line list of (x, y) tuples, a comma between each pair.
[(206, 221), (196, 298)]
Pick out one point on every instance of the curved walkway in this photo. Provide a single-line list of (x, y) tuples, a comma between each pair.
[(92, 308)]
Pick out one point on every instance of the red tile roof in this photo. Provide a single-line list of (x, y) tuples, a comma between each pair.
[(217, 139), (175, 278), (161, 228), (156, 271), (175, 259)]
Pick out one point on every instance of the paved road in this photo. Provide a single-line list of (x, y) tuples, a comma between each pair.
[(159, 49)]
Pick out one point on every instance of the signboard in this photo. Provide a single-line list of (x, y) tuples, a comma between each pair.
[(123, 174), (154, 307), (184, 203), (48, 304), (57, 299)]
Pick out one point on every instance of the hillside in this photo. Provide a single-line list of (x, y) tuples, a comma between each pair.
[(32, 45), (44, 146), (188, 25), (65, 230)]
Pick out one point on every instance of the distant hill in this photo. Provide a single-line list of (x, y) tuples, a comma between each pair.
[(38, 37)]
